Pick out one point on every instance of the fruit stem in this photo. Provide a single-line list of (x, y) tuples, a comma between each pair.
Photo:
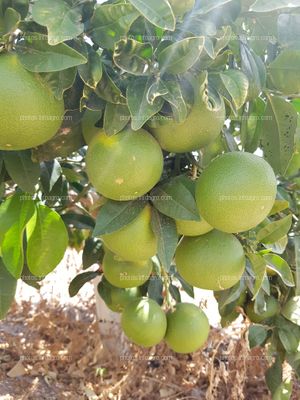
[(166, 281)]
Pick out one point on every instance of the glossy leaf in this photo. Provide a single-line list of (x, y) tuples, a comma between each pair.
[(114, 215), (116, 117), (62, 20), (257, 335), (166, 233), (279, 127), (259, 267), (158, 12), (281, 267), (23, 171), (92, 252), (8, 285), (80, 280), (272, 5), (91, 72), (140, 108), (291, 310), (275, 230), (237, 84), (180, 56), (47, 240), (37, 55), (59, 81)]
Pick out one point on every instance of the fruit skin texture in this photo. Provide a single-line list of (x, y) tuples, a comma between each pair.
[(125, 274), (124, 166), (201, 127), (192, 228), (272, 308), (187, 328), (236, 192), (135, 241), (29, 113), (214, 261), (144, 322), (118, 298), (89, 130)]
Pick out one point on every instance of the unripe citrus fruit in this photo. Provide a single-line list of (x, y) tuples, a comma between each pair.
[(29, 113), (236, 191), (272, 308), (187, 328), (125, 274), (181, 7), (144, 322), (116, 298), (89, 130), (201, 127), (214, 261), (192, 228), (135, 241), (124, 166)]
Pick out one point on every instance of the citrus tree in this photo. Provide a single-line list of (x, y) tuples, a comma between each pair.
[(162, 138)]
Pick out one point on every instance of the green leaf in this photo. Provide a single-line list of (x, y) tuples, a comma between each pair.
[(23, 171), (116, 117), (281, 267), (284, 72), (180, 56), (155, 289), (284, 391), (14, 216), (111, 22), (37, 55), (165, 230), (11, 20), (91, 72), (185, 286), (291, 310), (175, 293), (92, 252), (47, 239), (59, 82), (297, 262), (175, 98), (259, 267), (80, 280), (271, 5), (140, 108), (78, 221), (251, 125), (279, 206), (209, 5), (275, 230), (158, 12), (279, 127), (8, 285), (114, 215), (62, 20), (257, 335), (274, 375), (289, 337), (237, 84), (133, 57), (175, 200), (108, 90), (255, 70)]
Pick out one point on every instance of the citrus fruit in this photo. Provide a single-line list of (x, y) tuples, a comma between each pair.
[(124, 166), (29, 113), (181, 7), (135, 241), (201, 127), (125, 274), (272, 308), (187, 328), (89, 130), (192, 228), (236, 191), (117, 298), (214, 261), (144, 322), (284, 73)]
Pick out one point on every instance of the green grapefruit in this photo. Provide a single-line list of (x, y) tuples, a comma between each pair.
[(135, 241), (236, 191), (116, 298), (144, 322), (187, 328), (124, 166), (272, 308), (192, 228), (202, 126), (29, 113), (214, 261), (125, 274), (88, 123)]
